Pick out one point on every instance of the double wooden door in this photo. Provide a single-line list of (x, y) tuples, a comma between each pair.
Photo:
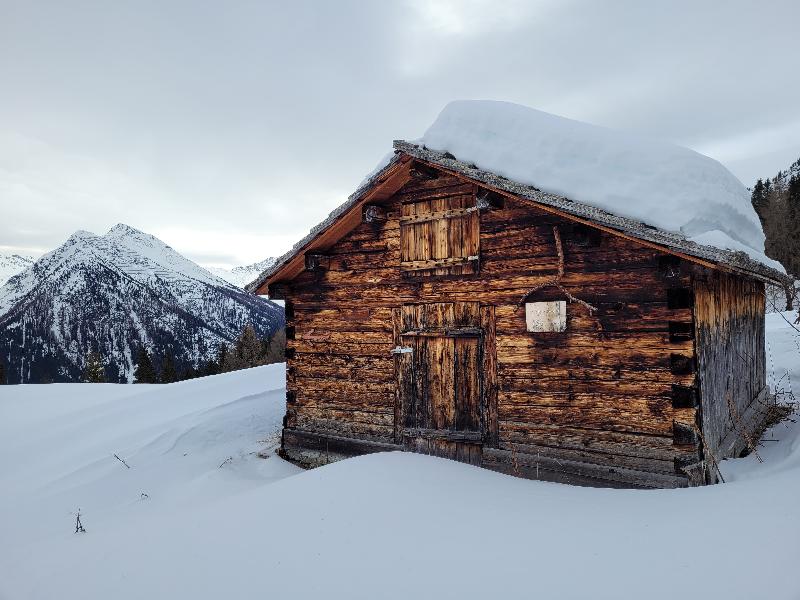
[(439, 357)]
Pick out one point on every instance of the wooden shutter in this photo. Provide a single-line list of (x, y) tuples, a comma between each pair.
[(440, 236)]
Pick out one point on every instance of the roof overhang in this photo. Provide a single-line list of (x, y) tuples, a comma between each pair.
[(388, 180)]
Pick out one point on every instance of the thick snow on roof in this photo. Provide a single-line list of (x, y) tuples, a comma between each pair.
[(661, 184)]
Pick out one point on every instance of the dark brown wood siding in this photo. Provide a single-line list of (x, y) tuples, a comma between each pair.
[(606, 397)]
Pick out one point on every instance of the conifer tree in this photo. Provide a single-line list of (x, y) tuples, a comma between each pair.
[(94, 371), (247, 352), (222, 354), (210, 368), (248, 347), (189, 373), (777, 202), (275, 347), (168, 372), (232, 362), (145, 373), (760, 200), (2, 373)]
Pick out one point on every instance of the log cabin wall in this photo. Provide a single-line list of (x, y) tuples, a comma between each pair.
[(611, 400), (729, 323)]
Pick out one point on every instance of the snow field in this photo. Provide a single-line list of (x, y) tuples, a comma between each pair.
[(381, 526)]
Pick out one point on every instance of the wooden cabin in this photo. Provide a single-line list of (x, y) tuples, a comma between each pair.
[(449, 311)]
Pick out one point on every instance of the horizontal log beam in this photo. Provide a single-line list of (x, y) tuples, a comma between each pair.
[(453, 213), (373, 213), (445, 332), (576, 472), (317, 261), (444, 434), (310, 449), (437, 263)]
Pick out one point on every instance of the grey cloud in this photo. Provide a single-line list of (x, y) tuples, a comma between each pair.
[(257, 118)]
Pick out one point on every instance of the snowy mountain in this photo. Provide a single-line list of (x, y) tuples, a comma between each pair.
[(241, 276), (11, 264), (113, 294)]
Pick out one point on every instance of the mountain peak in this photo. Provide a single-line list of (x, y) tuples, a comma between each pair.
[(81, 234), (116, 294), (121, 230)]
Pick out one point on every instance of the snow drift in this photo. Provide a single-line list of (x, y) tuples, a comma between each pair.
[(661, 184), (216, 521)]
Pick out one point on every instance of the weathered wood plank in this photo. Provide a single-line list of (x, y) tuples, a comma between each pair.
[(610, 442), (349, 347), (490, 376), (575, 472), (611, 459), (313, 449), (439, 215), (375, 368), (596, 417), (731, 361)]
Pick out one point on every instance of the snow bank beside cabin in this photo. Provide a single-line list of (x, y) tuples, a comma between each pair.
[(661, 184), (219, 522)]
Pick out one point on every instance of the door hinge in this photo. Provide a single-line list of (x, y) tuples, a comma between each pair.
[(401, 350)]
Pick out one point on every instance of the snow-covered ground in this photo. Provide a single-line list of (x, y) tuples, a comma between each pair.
[(199, 515)]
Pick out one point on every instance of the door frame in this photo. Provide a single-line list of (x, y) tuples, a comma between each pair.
[(487, 377)]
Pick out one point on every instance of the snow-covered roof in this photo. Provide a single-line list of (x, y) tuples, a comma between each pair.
[(651, 190)]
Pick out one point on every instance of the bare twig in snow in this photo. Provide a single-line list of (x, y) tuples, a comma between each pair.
[(78, 525), (122, 461)]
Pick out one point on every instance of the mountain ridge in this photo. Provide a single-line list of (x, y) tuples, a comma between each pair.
[(12, 264), (242, 275), (114, 294)]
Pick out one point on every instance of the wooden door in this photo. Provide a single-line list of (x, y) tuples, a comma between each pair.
[(439, 364)]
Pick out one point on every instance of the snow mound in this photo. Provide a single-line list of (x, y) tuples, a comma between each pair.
[(219, 522), (664, 185)]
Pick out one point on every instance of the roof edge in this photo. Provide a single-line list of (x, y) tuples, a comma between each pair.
[(737, 261), (334, 215), (676, 242)]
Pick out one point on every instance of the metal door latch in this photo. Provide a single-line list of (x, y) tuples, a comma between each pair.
[(401, 350)]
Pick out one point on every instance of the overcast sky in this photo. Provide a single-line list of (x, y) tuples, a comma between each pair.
[(228, 129)]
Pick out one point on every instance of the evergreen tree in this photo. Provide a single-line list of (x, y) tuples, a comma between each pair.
[(210, 368), (189, 373), (760, 200), (274, 349), (247, 352), (94, 370), (248, 347), (232, 362), (777, 202), (222, 354), (145, 372), (2, 373), (168, 372)]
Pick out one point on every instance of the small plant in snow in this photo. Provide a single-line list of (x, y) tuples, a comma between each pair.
[(78, 525)]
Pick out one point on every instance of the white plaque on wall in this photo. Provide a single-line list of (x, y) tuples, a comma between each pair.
[(546, 316)]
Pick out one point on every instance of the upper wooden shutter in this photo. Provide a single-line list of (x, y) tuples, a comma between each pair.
[(440, 236)]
